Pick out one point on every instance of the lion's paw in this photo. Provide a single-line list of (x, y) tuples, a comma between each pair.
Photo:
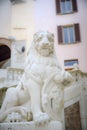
[(41, 118), (13, 117), (68, 77)]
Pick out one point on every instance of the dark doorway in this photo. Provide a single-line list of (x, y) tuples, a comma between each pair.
[(72, 117), (5, 54)]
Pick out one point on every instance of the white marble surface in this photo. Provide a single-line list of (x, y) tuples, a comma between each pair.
[(39, 95), (54, 125), (18, 54)]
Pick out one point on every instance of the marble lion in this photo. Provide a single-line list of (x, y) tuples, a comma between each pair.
[(24, 103)]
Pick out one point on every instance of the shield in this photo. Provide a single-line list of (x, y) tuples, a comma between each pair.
[(53, 98)]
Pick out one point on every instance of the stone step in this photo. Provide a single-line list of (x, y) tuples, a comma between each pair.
[(53, 125)]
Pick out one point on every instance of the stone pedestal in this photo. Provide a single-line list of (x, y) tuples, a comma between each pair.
[(54, 125)]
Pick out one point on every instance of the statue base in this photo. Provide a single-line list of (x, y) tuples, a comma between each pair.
[(53, 125)]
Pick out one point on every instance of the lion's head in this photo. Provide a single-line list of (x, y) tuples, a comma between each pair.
[(44, 43), (42, 49)]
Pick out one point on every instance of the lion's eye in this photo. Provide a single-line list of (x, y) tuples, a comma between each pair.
[(50, 39), (39, 39)]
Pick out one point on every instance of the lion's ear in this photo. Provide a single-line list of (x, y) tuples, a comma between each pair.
[(35, 37), (52, 35)]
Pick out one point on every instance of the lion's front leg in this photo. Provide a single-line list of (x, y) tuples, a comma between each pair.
[(35, 94), (10, 99)]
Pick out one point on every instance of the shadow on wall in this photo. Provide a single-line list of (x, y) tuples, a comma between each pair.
[(18, 1)]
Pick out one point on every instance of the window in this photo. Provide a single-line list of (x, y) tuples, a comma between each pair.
[(69, 64), (68, 34), (66, 6)]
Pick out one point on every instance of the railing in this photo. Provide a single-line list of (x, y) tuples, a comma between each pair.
[(14, 74)]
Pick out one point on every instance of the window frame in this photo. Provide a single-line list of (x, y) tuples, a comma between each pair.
[(66, 12), (73, 4), (77, 36), (70, 67), (68, 27), (71, 60)]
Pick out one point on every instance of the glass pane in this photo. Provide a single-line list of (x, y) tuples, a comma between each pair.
[(70, 63), (63, 10), (71, 34), (65, 35), (68, 6)]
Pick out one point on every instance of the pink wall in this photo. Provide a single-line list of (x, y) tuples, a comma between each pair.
[(46, 19), (5, 18)]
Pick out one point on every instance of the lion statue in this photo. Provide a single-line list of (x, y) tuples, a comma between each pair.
[(39, 93)]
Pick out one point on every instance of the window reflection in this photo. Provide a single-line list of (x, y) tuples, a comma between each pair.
[(68, 34), (66, 6), (70, 62)]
